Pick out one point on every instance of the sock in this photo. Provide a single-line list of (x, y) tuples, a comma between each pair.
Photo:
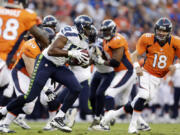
[(119, 112), (21, 116), (52, 114), (109, 103), (135, 115), (60, 113), (4, 111), (97, 118), (9, 118)]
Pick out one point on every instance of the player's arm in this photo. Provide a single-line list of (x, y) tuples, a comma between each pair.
[(40, 35), (117, 55), (56, 47), (29, 63)]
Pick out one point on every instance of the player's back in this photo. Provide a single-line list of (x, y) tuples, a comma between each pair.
[(13, 25), (116, 42), (158, 58), (31, 49)]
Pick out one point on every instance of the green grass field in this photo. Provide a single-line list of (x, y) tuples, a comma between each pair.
[(81, 129)]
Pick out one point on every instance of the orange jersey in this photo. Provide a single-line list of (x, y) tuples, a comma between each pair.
[(30, 49), (158, 58), (116, 42), (13, 25)]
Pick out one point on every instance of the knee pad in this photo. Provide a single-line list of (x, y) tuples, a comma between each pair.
[(128, 108), (29, 107), (139, 105), (8, 92)]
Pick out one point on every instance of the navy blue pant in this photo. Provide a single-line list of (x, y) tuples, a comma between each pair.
[(100, 82), (176, 101), (83, 97), (43, 70)]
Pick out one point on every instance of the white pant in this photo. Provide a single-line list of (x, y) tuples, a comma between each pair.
[(5, 79), (121, 86), (148, 87)]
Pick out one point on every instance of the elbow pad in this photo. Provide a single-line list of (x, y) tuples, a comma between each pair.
[(114, 63)]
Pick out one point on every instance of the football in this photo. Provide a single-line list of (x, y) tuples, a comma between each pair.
[(74, 61)]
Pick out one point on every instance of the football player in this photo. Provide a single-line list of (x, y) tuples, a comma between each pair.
[(20, 77), (50, 64), (161, 48)]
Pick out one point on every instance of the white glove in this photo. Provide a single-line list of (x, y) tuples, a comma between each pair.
[(99, 60), (51, 95), (80, 56)]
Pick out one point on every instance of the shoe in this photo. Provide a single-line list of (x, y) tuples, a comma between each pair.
[(20, 122), (142, 125), (48, 127), (4, 128), (100, 128), (70, 117), (93, 124), (58, 122), (133, 128), (106, 120)]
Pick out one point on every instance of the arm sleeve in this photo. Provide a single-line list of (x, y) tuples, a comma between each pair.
[(141, 46), (118, 42), (29, 19), (30, 51)]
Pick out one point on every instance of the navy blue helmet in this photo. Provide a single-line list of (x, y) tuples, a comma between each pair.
[(51, 33), (108, 29), (93, 34), (50, 21), (162, 29), (83, 24)]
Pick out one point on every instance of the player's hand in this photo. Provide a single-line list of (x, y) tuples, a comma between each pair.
[(99, 60), (79, 55), (139, 71), (51, 95), (172, 68)]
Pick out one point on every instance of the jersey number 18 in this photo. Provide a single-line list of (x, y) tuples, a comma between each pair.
[(160, 62)]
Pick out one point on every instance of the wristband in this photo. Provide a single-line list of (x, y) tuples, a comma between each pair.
[(177, 65), (136, 64)]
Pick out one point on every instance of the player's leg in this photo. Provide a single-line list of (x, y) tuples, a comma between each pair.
[(93, 87), (83, 99), (66, 77)]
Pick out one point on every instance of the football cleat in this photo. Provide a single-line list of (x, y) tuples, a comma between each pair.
[(58, 122), (4, 128), (20, 122), (143, 127), (106, 120), (101, 128), (48, 127), (70, 117), (93, 124)]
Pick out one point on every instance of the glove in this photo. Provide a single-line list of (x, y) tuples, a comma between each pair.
[(79, 55), (51, 95), (99, 60)]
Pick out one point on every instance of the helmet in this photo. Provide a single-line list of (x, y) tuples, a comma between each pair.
[(50, 21), (15, 3), (108, 29), (93, 34), (50, 33), (162, 29), (83, 24)]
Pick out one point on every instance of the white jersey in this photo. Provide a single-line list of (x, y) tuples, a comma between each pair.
[(74, 42), (101, 68), (176, 78), (81, 73)]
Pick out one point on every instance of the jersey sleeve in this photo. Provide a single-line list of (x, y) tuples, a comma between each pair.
[(118, 42), (31, 50), (177, 46), (70, 33), (141, 45), (29, 18)]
